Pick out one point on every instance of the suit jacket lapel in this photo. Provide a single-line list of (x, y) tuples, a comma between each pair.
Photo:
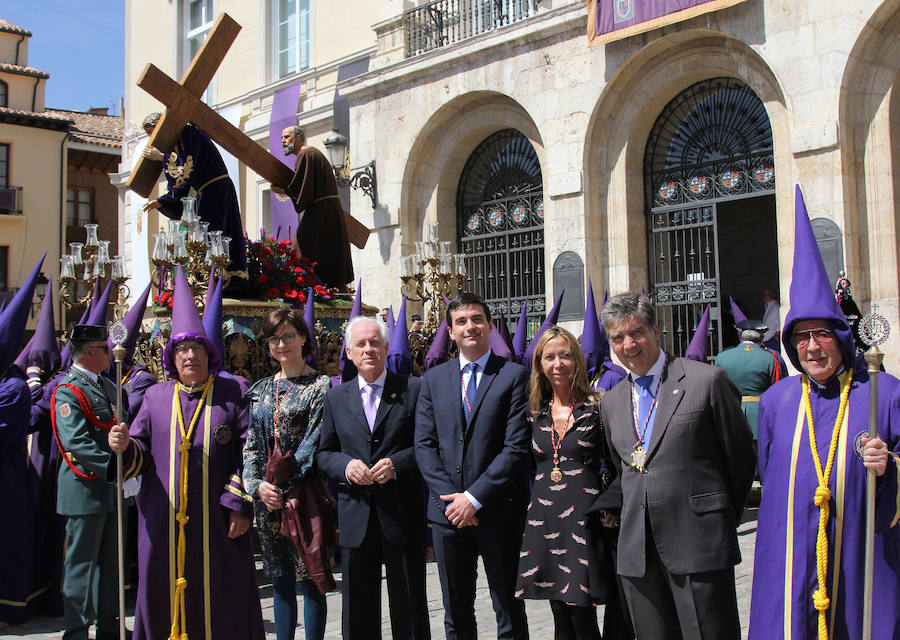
[(354, 402), (388, 400), (671, 391), (454, 380)]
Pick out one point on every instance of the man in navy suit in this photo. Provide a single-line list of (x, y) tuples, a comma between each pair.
[(472, 443), (366, 446)]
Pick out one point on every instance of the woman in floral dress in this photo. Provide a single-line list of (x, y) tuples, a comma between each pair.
[(288, 404), (559, 560)]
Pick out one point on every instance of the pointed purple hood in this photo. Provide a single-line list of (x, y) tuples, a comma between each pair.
[(43, 348), (132, 322), (439, 351), (520, 339), (501, 344), (212, 316), (348, 369), (697, 348), (391, 321), (309, 318), (15, 317), (65, 357), (399, 357), (186, 325), (591, 336), (736, 311), (549, 321), (811, 294), (99, 314)]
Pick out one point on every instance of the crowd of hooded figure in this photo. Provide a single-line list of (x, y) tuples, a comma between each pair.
[(571, 479)]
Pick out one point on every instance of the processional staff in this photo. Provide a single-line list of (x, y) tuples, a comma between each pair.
[(118, 333), (874, 330)]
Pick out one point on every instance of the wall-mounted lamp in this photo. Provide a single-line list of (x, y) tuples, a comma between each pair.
[(337, 146), (40, 291)]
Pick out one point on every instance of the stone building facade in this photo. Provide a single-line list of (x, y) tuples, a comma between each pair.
[(665, 160)]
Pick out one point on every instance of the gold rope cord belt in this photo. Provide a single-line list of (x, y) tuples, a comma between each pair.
[(209, 182)]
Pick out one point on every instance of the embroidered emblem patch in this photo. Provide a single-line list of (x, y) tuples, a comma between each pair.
[(65, 410), (222, 434)]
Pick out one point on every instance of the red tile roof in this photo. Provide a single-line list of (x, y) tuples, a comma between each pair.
[(21, 70), (94, 128), (8, 114), (9, 27)]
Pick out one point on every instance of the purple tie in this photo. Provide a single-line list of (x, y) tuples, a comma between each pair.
[(369, 404)]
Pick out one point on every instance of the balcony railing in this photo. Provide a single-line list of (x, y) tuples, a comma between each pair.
[(11, 201), (443, 22)]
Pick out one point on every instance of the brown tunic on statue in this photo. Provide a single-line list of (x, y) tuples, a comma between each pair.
[(322, 232)]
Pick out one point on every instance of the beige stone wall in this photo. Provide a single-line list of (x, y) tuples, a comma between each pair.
[(35, 166)]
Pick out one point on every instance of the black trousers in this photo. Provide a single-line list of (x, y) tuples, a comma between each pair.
[(456, 552), (361, 586), (695, 606)]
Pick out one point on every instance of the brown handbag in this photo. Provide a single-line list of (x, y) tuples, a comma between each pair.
[(309, 516)]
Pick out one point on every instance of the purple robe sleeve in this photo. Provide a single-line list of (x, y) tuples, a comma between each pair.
[(233, 494), (887, 501), (136, 459)]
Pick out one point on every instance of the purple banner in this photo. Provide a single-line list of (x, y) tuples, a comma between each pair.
[(615, 15), (284, 114)]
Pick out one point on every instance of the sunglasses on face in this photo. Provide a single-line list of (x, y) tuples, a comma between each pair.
[(822, 336)]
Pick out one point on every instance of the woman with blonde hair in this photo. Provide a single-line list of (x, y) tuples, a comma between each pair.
[(561, 560)]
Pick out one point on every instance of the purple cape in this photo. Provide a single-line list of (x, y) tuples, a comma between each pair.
[(218, 570), (778, 412)]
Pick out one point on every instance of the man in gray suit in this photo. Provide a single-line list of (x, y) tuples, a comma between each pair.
[(685, 455)]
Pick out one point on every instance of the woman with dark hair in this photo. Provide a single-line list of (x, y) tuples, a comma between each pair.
[(287, 406), (562, 559)]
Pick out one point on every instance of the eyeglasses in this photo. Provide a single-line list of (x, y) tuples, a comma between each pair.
[(184, 347), (800, 339), (286, 338)]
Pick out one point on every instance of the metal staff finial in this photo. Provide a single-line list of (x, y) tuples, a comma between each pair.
[(118, 333), (874, 330)]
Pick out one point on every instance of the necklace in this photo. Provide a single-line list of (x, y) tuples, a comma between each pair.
[(556, 441), (278, 400), (639, 454)]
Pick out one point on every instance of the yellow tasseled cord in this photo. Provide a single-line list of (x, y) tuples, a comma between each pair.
[(822, 496), (179, 612)]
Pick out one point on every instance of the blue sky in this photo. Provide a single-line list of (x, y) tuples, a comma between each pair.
[(80, 43)]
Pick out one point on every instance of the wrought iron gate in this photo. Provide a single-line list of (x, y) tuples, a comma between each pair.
[(711, 144), (500, 225)]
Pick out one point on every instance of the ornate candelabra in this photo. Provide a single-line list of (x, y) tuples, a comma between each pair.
[(189, 242), (432, 271), (86, 263)]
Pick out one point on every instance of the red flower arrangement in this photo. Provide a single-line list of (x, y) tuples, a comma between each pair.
[(277, 272), (164, 299)]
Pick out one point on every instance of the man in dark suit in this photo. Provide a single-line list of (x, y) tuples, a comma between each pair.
[(684, 452), (366, 446), (472, 443)]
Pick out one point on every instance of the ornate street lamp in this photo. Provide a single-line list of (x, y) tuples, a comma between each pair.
[(337, 147)]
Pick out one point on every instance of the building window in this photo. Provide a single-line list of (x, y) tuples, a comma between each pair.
[(79, 206), (4, 165), (4, 94), (4, 268), (198, 22), (292, 36)]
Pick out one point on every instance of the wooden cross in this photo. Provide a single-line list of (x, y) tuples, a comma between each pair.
[(183, 105)]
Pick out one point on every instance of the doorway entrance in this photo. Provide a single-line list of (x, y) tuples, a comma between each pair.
[(710, 181)]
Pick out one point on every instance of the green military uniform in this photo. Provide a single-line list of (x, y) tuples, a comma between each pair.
[(90, 589), (752, 369)]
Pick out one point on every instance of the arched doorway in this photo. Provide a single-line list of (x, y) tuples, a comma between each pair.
[(709, 176), (500, 224)]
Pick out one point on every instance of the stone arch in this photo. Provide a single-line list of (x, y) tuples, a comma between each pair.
[(869, 118), (616, 137), (439, 154)]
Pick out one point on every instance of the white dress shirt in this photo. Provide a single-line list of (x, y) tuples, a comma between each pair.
[(463, 363)]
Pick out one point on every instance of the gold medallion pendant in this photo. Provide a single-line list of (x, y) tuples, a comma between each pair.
[(639, 458), (556, 474)]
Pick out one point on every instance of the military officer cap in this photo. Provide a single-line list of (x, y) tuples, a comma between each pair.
[(752, 325), (88, 333)]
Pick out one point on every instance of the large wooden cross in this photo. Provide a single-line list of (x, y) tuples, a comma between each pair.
[(183, 105)]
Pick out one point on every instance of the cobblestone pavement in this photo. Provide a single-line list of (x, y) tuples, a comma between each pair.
[(539, 619)]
